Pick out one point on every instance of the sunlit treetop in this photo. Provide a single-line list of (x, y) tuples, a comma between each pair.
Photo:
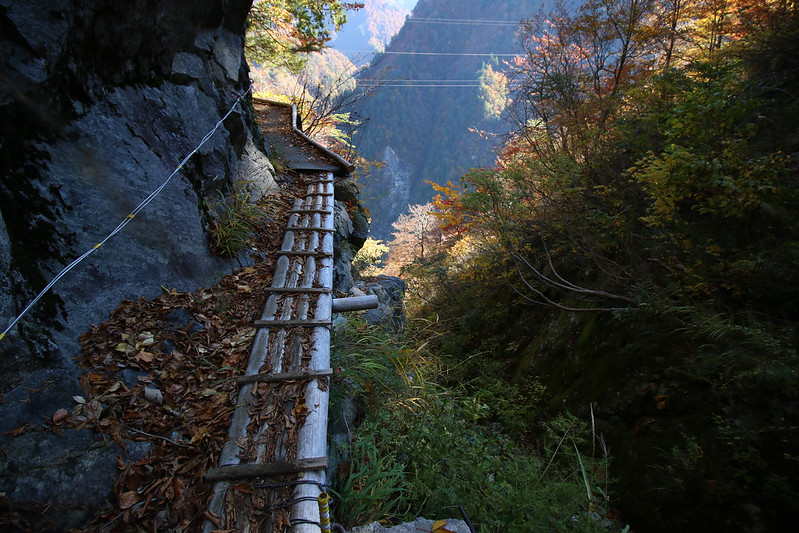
[(280, 32)]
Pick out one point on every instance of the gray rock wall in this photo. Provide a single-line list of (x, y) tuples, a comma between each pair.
[(99, 102), (352, 228)]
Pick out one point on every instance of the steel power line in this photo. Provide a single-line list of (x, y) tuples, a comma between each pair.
[(471, 22)]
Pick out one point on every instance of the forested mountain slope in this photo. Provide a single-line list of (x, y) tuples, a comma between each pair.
[(370, 28), (421, 129), (632, 254)]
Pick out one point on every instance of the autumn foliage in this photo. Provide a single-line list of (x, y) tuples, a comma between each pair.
[(279, 31), (639, 232)]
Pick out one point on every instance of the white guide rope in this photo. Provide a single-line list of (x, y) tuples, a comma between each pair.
[(127, 219)]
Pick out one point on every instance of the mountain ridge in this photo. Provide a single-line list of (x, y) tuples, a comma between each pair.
[(426, 125), (370, 28)]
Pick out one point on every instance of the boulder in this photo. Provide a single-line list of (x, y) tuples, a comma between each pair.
[(390, 292)]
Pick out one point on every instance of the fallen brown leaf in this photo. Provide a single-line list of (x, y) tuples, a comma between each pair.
[(144, 357), (215, 518), (128, 499), (60, 416)]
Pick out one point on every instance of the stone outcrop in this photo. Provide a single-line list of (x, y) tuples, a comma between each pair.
[(390, 292), (99, 103), (352, 228)]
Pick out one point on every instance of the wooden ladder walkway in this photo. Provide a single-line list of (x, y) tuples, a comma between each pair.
[(272, 467)]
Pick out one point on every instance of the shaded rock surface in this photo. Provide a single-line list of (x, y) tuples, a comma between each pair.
[(390, 291), (99, 103), (75, 463), (352, 228)]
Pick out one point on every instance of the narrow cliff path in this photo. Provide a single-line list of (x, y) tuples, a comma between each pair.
[(275, 456), (227, 386), (289, 145)]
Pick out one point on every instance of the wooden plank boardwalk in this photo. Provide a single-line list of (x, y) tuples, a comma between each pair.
[(272, 468)]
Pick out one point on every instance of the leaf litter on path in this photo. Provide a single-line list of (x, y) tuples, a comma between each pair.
[(189, 346)]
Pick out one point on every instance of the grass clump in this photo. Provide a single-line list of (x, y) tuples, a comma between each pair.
[(372, 488), (234, 221), (422, 449)]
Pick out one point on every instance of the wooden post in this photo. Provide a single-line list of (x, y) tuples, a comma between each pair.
[(248, 471)]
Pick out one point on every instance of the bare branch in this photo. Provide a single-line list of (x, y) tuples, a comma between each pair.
[(549, 303), (583, 290), (559, 283)]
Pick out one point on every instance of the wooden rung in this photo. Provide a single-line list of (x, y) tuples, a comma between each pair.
[(319, 194), (311, 211), (311, 228), (248, 471), (300, 290), (285, 376), (309, 253), (292, 323)]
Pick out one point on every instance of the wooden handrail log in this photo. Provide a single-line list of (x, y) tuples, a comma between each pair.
[(311, 211), (284, 376), (299, 290), (311, 228), (310, 253), (355, 303), (292, 323), (248, 471)]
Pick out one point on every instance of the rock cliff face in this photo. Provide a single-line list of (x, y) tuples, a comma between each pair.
[(99, 102), (352, 229), (98, 105)]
